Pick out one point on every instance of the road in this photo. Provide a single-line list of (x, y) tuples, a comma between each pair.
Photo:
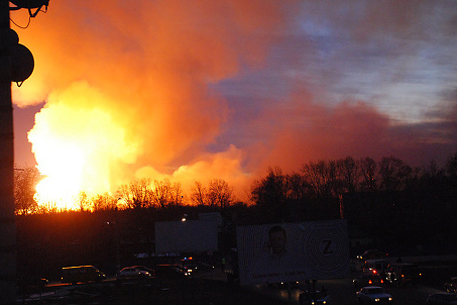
[(342, 292)]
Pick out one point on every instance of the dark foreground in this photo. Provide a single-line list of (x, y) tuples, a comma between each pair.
[(152, 291)]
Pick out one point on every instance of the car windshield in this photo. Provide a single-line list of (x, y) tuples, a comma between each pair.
[(374, 291)]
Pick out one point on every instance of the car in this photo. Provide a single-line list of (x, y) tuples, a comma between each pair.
[(374, 295), (372, 254), (132, 273), (81, 274), (163, 271), (378, 265), (400, 274), (188, 266), (369, 278), (442, 299), (451, 285), (313, 298), (146, 269)]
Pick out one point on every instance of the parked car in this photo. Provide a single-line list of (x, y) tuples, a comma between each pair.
[(188, 266), (132, 273), (451, 285), (401, 274), (378, 265), (367, 279), (81, 274), (146, 269), (374, 295), (313, 298), (442, 299), (163, 271)]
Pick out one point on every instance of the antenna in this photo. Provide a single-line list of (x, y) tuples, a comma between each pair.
[(30, 4)]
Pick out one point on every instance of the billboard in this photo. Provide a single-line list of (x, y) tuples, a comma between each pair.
[(186, 236), (290, 252)]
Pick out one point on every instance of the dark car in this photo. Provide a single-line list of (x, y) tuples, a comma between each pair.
[(168, 271), (367, 279), (451, 285), (442, 299), (400, 274), (372, 254), (81, 274), (313, 298), (373, 295)]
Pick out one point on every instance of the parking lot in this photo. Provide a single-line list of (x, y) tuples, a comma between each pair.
[(171, 290)]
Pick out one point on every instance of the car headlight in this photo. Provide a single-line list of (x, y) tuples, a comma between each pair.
[(391, 299), (377, 300)]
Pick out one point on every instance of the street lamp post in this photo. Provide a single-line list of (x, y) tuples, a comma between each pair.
[(8, 279), (16, 64)]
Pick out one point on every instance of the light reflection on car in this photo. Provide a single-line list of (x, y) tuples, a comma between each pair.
[(132, 273), (367, 279), (374, 295)]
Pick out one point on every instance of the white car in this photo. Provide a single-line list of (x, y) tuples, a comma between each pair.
[(374, 295), (132, 273)]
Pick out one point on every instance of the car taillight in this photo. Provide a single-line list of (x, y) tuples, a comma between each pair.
[(382, 281)]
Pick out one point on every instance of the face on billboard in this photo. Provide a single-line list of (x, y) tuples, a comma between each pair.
[(290, 252), (278, 242)]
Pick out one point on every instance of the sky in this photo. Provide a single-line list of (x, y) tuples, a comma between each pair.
[(199, 90)]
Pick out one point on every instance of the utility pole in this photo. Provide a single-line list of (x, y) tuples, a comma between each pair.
[(8, 279), (16, 65)]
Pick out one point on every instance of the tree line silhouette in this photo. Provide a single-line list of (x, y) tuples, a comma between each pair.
[(322, 181)]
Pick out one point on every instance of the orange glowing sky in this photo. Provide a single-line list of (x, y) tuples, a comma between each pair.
[(198, 90)]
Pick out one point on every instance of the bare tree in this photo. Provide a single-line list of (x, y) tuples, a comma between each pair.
[(368, 171), (322, 177), (25, 182), (296, 187), (349, 174), (199, 194), (84, 202), (220, 193), (451, 170), (394, 174), (162, 194), (137, 194), (270, 191), (103, 202), (177, 193)]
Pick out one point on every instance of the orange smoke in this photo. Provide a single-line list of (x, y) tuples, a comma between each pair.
[(126, 89), (155, 89)]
